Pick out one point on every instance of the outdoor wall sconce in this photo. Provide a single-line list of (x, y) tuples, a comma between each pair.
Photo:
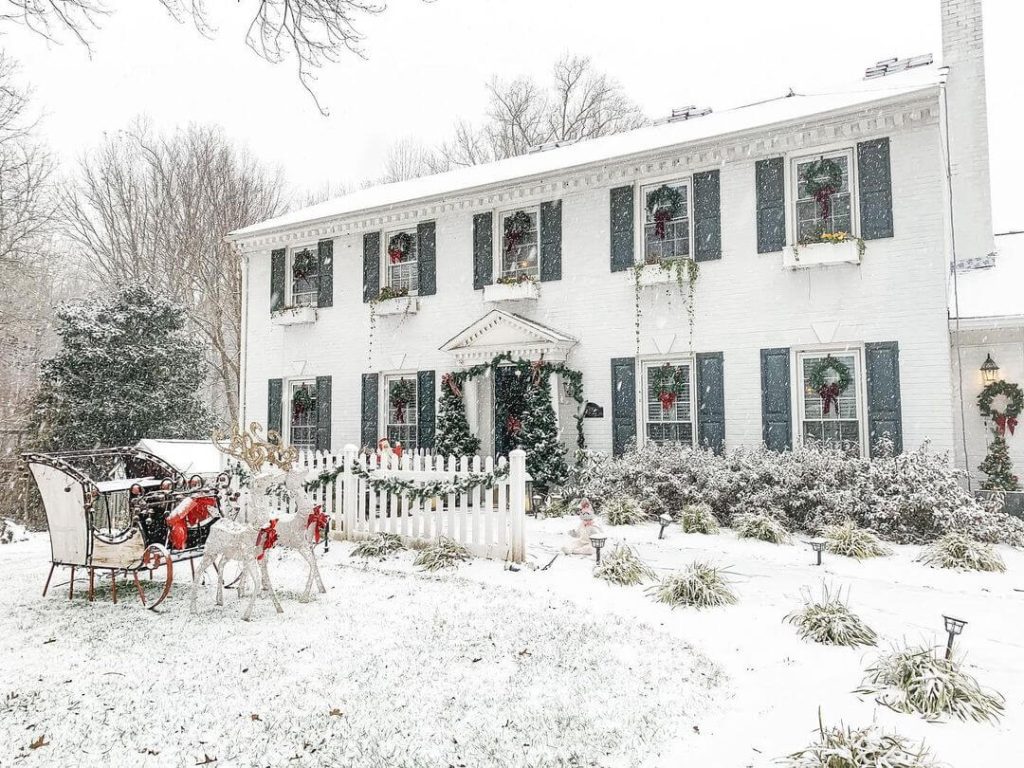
[(989, 371)]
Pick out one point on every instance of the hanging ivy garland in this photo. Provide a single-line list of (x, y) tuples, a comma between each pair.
[(516, 228), (303, 264), (822, 179), (414, 490), (664, 204), (403, 392), (302, 402), (399, 247), (1006, 419), (829, 391), (667, 379)]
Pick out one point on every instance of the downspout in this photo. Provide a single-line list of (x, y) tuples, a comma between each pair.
[(243, 345)]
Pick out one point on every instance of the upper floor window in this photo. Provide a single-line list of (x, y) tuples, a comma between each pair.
[(302, 414), (304, 267), (830, 399), (520, 245), (668, 402), (666, 221), (401, 410), (823, 196), (402, 261)]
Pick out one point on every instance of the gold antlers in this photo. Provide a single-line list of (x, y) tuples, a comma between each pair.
[(255, 452)]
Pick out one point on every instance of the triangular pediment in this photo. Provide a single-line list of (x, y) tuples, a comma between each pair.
[(500, 331)]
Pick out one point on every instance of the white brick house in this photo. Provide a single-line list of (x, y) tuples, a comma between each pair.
[(767, 302)]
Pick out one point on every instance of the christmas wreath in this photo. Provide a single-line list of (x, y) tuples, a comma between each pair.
[(666, 380), (1014, 405), (822, 179), (303, 264), (829, 391), (403, 392), (664, 204), (399, 246), (517, 226), (302, 402)]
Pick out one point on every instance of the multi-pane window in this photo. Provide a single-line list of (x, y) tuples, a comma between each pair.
[(668, 403), (401, 260), (520, 249), (401, 410), (823, 196), (829, 414), (305, 271), (666, 222), (302, 414)]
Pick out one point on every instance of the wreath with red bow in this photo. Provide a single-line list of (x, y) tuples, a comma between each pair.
[(517, 226), (399, 246), (403, 392), (302, 402), (303, 264), (829, 391), (664, 204), (1005, 420), (822, 179), (666, 381)]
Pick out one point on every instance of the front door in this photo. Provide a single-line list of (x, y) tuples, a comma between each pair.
[(509, 403)]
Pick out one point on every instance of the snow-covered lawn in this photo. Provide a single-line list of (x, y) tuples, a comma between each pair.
[(492, 667)]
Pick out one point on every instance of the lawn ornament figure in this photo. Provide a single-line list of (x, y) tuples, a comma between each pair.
[(587, 527)]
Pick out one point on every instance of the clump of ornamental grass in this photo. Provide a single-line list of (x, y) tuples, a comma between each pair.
[(830, 621), (700, 585), (960, 551), (623, 510), (380, 546), (559, 507), (444, 553), (756, 525), (920, 680), (850, 540), (870, 747), (698, 518), (623, 566)]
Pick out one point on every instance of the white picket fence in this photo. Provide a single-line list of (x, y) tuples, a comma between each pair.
[(488, 522)]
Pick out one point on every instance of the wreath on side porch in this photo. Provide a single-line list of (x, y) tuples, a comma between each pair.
[(403, 392), (517, 226), (302, 402), (399, 246), (822, 179), (664, 204), (829, 390), (303, 264), (1006, 419), (667, 379)]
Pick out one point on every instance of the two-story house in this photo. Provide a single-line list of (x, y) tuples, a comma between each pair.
[(766, 274)]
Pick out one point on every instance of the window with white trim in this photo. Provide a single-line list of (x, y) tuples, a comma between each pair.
[(666, 221), (302, 414), (520, 245), (400, 410), (401, 260), (831, 415), (824, 195), (304, 268), (668, 402)]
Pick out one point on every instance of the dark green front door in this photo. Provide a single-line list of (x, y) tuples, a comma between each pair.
[(509, 402)]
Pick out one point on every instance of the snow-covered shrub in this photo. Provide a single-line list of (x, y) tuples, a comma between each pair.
[(870, 747), (959, 550), (380, 546), (830, 621), (762, 527), (701, 585), (922, 681), (622, 510), (444, 553), (850, 540), (558, 506), (623, 566), (697, 518)]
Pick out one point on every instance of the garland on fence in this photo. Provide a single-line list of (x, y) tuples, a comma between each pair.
[(414, 490)]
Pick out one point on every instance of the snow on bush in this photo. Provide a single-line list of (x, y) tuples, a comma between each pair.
[(622, 510), (10, 532), (698, 518), (379, 547), (958, 550), (761, 527), (560, 507), (839, 747), (830, 621), (701, 585), (911, 497), (444, 553), (920, 680), (623, 566), (850, 540)]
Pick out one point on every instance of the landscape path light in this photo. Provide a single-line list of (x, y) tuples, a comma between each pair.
[(666, 520), (818, 545), (954, 627), (597, 541)]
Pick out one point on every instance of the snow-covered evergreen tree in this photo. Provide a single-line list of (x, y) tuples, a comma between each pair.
[(453, 435), (126, 369), (545, 454), (998, 467)]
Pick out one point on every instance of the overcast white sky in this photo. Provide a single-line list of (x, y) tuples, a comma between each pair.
[(427, 64)]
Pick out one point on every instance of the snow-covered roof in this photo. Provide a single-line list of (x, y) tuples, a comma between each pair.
[(777, 111), (993, 291)]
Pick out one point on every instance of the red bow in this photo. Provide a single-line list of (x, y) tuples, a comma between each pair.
[(662, 216), (824, 198), (317, 518), (535, 370), (266, 538), (396, 255), (192, 511), (829, 395), (1004, 422), (668, 399), (452, 383), (513, 424)]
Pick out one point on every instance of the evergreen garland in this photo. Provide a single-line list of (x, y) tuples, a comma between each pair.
[(413, 489), (453, 435), (545, 459)]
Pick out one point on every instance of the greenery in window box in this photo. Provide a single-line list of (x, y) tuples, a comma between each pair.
[(519, 279), (302, 402), (664, 204), (303, 264), (835, 238), (399, 246), (387, 293), (402, 392), (517, 226), (687, 271)]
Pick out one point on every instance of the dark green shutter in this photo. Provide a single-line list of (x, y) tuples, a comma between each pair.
[(323, 413), (885, 412), (776, 399), (371, 266), (277, 270), (425, 405), (707, 216), (369, 411), (623, 403), (620, 216), (274, 396), (426, 233), (551, 241), (483, 250), (875, 181), (770, 184), (325, 291), (711, 401)]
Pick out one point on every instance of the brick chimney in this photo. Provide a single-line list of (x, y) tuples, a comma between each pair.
[(963, 52)]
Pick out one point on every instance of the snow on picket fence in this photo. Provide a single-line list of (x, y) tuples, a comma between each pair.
[(489, 523)]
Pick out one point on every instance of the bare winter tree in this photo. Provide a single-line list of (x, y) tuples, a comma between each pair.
[(405, 159)]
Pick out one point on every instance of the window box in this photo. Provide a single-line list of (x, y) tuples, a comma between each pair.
[(660, 274), (822, 254), (294, 316), (401, 305), (528, 290)]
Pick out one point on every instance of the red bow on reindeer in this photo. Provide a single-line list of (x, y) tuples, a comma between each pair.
[(318, 519), (266, 538), (829, 395), (1004, 422)]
